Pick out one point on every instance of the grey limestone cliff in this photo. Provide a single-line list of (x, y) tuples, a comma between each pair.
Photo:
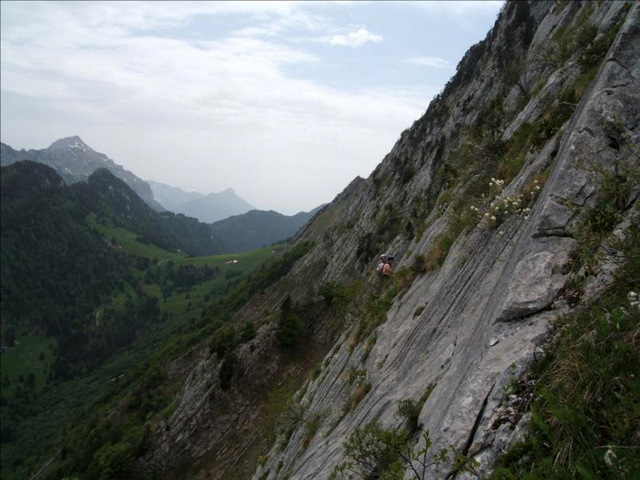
[(466, 329), (481, 201)]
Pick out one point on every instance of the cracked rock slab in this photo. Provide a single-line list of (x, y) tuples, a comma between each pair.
[(537, 279)]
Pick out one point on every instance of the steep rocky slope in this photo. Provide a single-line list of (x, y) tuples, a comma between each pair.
[(484, 201)]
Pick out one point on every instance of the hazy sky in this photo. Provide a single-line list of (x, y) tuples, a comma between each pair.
[(285, 102)]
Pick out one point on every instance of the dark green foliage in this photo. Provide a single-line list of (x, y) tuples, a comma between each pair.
[(558, 114), (388, 223), (409, 410), (106, 446), (106, 416), (367, 247), (290, 325), (374, 452), (239, 294), (57, 268), (26, 178), (225, 340), (616, 188), (598, 222), (56, 271), (378, 304), (248, 332), (257, 229), (586, 414), (111, 333), (596, 50), (336, 294), (405, 170), (464, 71), (112, 199)]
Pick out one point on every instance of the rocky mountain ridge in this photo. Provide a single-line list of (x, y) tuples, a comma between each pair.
[(75, 161)]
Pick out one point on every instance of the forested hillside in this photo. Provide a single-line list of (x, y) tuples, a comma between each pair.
[(257, 228), (88, 292)]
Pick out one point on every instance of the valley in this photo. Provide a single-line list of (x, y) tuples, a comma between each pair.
[(134, 306), (502, 344)]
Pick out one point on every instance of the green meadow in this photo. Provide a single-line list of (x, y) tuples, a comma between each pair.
[(27, 364)]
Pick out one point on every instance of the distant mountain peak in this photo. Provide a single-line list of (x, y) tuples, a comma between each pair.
[(75, 161), (70, 143)]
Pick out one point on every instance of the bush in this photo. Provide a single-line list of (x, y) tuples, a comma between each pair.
[(439, 251), (336, 294), (409, 410), (290, 325), (373, 452)]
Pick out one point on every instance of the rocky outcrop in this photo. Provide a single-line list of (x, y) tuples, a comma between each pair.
[(481, 201), (466, 329)]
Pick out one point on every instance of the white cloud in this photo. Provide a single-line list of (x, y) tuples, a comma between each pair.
[(464, 13), (210, 114), (211, 108), (282, 24), (459, 7), (355, 39), (435, 62)]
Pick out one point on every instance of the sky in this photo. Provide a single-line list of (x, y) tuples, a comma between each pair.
[(285, 102)]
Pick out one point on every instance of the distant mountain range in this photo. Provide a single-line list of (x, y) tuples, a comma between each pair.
[(75, 161), (171, 198), (258, 228), (206, 208), (234, 225), (110, 200)]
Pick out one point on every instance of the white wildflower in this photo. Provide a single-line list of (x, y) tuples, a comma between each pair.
[(609, 457)]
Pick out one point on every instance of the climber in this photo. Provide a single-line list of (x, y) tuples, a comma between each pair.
[(387, 270), (380, 267)]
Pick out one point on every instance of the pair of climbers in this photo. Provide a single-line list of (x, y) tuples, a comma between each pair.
[(385, 267)]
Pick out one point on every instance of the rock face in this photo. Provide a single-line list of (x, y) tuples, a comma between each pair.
[(537, 116)]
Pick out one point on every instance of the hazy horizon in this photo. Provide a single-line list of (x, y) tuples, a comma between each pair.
[(284, 102)]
